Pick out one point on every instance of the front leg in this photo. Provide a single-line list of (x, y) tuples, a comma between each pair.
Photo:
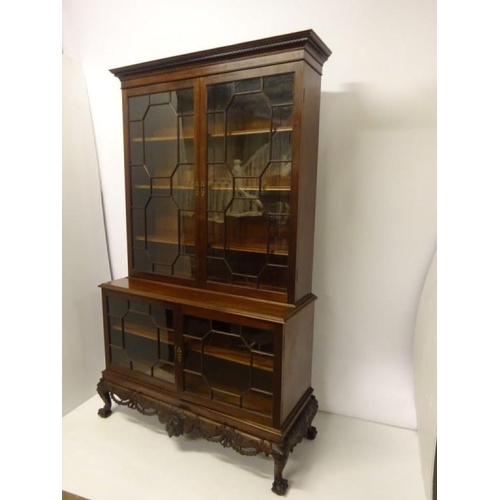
[(105, 411), (280, 484)]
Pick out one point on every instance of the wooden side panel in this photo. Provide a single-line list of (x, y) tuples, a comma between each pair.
[(307, 181), (297, 359)]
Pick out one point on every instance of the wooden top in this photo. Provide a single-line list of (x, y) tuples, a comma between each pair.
[(307, 40), (275, 312)]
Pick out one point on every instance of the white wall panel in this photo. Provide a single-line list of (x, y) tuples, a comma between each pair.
[(85, 257)]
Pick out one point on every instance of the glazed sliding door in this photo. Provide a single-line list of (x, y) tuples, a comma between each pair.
[(248, 171), (162, 177)]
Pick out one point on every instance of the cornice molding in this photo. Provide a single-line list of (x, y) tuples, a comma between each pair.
[(307, 40)]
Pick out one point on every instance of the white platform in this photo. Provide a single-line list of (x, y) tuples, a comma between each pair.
[(130, 456)]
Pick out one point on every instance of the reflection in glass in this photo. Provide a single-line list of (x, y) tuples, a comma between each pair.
[(249, 166)]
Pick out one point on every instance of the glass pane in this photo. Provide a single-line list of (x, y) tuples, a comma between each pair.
[(164, 371), (216, 126), (229, 363), (136, 143), (161, 98), (142, 261), (115, 331), (142, 337), (139, 228), (183, 187), (250, 85), (248, 132), (162, 221), (249, 166), (119, 357), (141, 188), (161, 186), (117, 307), (160, 130), (162, 174), (281, 144), (184, 266), (186, 134), (187, 228), (137, 107), (182, 101), (279, 88), (219, 96)]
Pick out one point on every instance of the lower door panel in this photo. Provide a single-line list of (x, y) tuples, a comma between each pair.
[(140, 337), (229, 364)]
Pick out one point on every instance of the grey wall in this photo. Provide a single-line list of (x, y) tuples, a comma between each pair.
[(85, 258)]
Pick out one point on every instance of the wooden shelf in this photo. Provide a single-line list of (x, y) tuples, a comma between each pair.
[(241, 358), (162, 138), (251, 188), (257, 131), (146, 186), (164, 240), (235, 248), (146, 332), (191, 188)]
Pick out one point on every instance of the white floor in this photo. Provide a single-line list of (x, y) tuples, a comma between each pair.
[(130, 456)]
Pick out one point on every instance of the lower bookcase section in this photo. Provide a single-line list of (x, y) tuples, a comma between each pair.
[(228, 369)]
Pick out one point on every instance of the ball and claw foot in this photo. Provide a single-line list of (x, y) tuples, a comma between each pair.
[(104, 412), (280, 486), (311, 432)]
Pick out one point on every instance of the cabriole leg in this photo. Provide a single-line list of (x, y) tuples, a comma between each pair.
[(280, 484), (105, 411)]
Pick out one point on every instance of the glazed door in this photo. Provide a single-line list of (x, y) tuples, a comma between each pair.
[(248, 134), (228, 365), (162, 180), (140, 339)]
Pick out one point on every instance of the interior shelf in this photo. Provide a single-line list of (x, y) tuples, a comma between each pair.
[(242, 358), (250, 248), (219, 188), (159, 138), (261, 363), (146, 332)]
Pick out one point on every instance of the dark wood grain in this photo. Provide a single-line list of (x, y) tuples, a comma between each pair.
[(296, 359), (306, 189)]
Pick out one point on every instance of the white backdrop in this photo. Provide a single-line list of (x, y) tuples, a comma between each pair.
[(85, 257), (376, 201)]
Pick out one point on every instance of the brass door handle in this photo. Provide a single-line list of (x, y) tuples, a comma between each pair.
[(179, 354), (203, 188)]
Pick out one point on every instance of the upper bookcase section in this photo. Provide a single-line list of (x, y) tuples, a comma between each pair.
[(302, 45)]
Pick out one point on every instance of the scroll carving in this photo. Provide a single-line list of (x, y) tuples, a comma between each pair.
[(178, 422)]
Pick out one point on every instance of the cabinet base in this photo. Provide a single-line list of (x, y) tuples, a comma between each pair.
[(178, 421)]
